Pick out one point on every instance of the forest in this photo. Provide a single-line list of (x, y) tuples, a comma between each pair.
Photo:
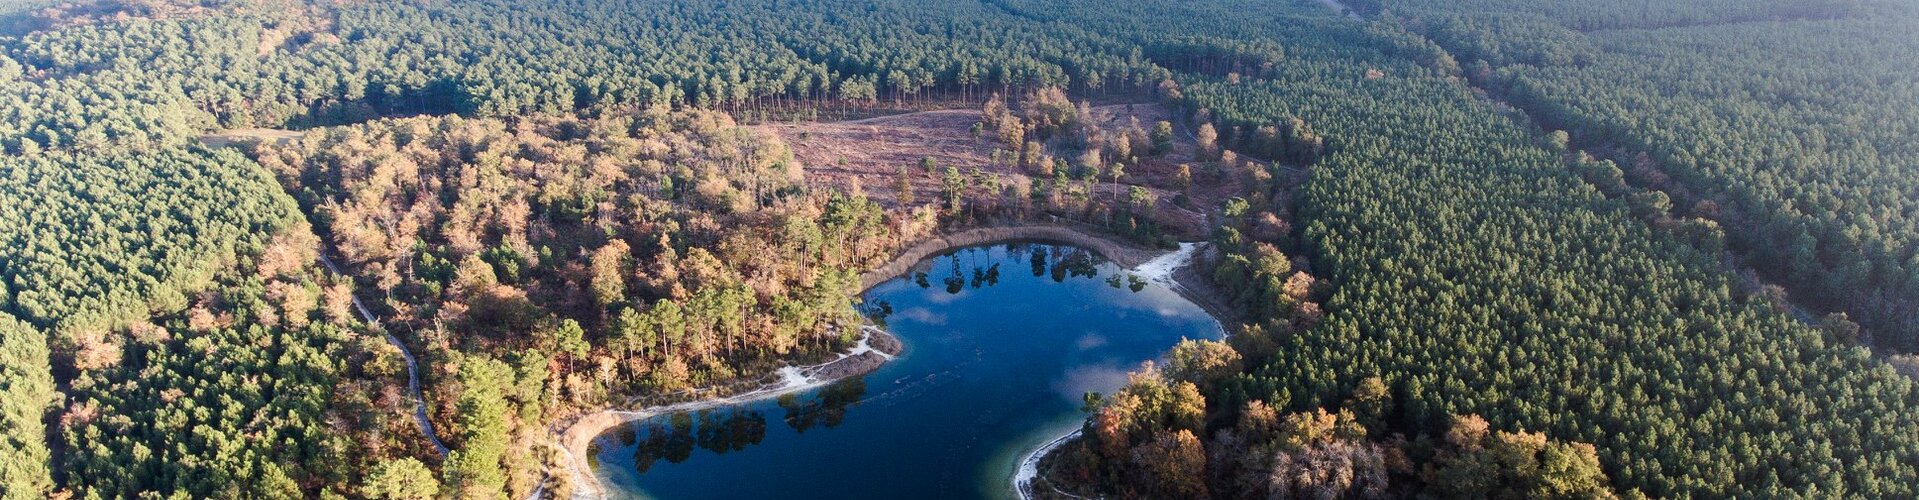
[(555, 264), (1753, 119), (1475, 273), (1478, 249), (174, 298), (1811, 196)]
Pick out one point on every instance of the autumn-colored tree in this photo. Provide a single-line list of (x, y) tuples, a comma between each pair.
[(608, 266), (994, 111), (1202, 362), (296, 302), (1208, 138), (1169, 89), (903, 187), (1268, 227), (1011, 132), (1370, 402), (1333, 469), (1150, 403), (1479, 463), (1171, 465), (1123, 148), (473, 275), (1031, 157)]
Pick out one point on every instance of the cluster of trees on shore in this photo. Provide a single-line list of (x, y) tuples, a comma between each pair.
[(1146, 443), (1038, 134), (555, 264)]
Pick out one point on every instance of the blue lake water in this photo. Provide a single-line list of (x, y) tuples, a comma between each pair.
[(1001, 343)]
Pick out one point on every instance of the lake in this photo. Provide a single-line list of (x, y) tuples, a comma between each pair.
[(1001, 343)]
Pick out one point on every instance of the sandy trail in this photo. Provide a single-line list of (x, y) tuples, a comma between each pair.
[(412, 365)]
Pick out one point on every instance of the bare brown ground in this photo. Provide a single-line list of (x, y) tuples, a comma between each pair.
[(1156, 172), (240, 136), (871, 151)]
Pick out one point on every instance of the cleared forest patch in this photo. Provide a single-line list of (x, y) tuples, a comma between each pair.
[(872, 151), (239, 136)]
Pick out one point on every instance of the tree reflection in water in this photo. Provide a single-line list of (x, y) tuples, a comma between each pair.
[(1057, 262), (826, 407), (1130, 282), (675, 437), (984, 381)]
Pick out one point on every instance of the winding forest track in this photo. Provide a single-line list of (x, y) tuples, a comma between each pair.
[(412, 364), (230, 138)]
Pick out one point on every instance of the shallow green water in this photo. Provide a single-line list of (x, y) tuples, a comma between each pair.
[(1001, 343)]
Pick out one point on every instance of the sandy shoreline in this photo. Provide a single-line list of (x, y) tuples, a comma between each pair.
[(577, 436), (1029, 465), (1124, 254), (577, 440)]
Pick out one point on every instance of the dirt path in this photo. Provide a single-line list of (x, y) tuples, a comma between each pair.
[(968, 114), (412, 365)]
